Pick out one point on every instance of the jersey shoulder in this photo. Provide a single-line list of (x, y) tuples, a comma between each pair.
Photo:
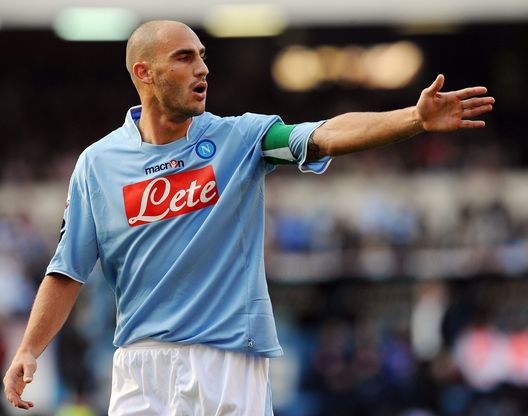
[(245, 118), (249, 127), (111, 140)]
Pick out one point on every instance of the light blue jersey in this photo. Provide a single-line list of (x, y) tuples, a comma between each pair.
[(179, 231)]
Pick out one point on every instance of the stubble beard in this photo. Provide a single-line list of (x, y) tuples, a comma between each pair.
[(179, 112), (172, 101)]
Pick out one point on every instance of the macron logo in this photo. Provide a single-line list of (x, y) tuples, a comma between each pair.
[(173, 164)]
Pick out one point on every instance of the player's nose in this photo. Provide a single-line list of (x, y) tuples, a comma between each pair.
[(201, 69)]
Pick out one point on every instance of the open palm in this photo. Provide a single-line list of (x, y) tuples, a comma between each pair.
[(448, 111)]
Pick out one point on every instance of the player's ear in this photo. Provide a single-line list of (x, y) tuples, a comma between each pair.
[(142, 72)]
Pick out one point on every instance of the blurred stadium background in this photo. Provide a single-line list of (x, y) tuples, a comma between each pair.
[(399, 278)]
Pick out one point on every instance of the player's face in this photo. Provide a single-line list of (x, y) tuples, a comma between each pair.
[(179, 73)]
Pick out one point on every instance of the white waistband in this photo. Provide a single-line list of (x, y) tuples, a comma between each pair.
[(151, 343)]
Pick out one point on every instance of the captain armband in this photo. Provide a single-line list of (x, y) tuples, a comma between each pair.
[(275, 145)]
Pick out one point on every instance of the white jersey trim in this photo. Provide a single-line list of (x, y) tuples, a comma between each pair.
[(283, 153), (77, 279)]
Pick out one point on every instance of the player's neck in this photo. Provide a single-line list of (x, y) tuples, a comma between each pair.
[(156, 128)]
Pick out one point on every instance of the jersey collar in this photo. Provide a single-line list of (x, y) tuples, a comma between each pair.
[(196, 129)]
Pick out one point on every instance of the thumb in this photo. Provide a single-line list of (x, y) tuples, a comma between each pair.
[(437, 85), (29, 370)]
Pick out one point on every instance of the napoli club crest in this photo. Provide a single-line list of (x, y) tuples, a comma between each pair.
[(206, 149)]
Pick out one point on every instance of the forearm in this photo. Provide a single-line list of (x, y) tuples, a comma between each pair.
[(53, 303), (353, 132)]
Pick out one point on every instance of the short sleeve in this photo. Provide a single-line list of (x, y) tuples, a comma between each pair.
[(76, 252), (298, 144), (255, 126)]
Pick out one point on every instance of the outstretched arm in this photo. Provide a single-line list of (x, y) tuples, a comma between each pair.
[(53, 304), (434, 111)]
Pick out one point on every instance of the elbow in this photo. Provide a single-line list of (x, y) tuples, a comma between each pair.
[(320, 145), (327, 147)]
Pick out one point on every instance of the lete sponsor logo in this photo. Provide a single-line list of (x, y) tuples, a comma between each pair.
[(169, 196)]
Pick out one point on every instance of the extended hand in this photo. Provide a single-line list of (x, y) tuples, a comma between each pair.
[(19, 374), (448, 111)]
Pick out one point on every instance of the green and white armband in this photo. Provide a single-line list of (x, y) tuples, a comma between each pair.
[(275, 144)]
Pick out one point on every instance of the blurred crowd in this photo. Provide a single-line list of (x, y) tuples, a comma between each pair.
[(403, 348), (424, 227)]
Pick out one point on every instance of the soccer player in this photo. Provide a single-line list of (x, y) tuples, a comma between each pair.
[(172, 204)]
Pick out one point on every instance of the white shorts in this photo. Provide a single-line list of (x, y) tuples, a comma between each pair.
[(151, 378)]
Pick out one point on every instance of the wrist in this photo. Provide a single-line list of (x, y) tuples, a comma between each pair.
[(25, 351), (417, 124)]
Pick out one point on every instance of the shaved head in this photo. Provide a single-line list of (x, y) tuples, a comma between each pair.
[(142, 43), (165, 60)]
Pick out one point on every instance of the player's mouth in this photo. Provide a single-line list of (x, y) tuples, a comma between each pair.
[(200, 90)]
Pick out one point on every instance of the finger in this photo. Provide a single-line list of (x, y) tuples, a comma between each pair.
[(17, 401), (19, 389), (477, 111), (14, 387), (24, 405), (477, 102), (10, 386), (29, 370), (470, 92), (437, 84), (12, 395), (21, 404), (14, 399), (472, 124), (18, 386)]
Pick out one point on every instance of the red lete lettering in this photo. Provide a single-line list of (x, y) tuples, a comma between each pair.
[(169, 196)]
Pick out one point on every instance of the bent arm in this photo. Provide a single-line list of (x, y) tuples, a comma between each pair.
[(434, 111), (53, 303)]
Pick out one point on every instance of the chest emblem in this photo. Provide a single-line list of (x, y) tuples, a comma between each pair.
[(205, 149)]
